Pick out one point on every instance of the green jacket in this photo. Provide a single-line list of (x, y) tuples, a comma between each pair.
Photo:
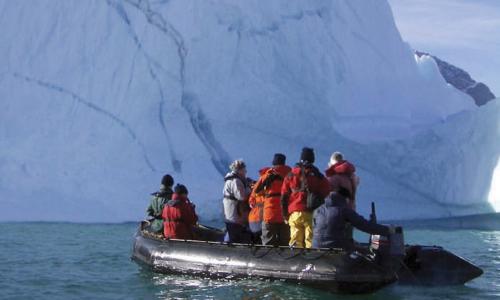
[(155, 208)]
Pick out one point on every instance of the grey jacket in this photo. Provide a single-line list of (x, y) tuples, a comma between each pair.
[(235, 195), (330, 224)]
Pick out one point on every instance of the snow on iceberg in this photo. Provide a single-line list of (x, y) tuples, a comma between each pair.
[(101, 98)]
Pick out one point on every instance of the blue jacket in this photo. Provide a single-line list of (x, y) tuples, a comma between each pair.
[(331, 224)]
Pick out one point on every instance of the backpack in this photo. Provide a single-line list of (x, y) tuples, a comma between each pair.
[(313, 200)]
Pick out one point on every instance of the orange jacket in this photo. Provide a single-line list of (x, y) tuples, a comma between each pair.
[(268, 190), (256, 202)]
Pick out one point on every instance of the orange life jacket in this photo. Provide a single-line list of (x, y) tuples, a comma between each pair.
[(268, 187), (256, 203)]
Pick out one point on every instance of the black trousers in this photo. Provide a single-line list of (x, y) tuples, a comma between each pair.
[(237, 233), (276, 234)]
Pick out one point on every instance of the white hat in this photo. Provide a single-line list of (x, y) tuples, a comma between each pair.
[(336, 157)]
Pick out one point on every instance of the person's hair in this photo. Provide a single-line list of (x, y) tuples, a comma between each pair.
[(167, 180), (181, 189), (237, 165), (337, 156)]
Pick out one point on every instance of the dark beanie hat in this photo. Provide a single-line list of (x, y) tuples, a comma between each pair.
[(279, 159), (167, 180), (180, 189), (307, 155)]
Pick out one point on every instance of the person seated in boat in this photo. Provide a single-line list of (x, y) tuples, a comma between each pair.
[(236, 192), (158, 200), (342, 174), (331, 223), (268, 191), (256, 203), (179, 215)]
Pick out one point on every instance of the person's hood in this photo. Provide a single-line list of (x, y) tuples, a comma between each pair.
[(308, 168), (341, 167), (177, 199), (176, 196), (283, 170), (264, 170), (230, 174), (335, 200), (164, 188), (163, 191)]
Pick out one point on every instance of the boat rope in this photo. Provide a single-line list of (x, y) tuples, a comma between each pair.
[(292, 256), (255, 249), (309, 257)]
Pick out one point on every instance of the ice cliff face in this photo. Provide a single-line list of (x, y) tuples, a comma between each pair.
[(101, 98), (460, 79)]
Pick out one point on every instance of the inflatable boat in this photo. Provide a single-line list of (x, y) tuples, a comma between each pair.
[(361, 270)]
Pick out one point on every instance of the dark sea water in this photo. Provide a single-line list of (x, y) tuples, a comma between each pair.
[(87, 261)]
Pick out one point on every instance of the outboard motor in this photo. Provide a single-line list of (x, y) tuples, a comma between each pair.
[(389, 250), (392, 245)]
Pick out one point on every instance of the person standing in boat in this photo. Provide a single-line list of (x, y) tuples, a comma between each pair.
[(268, 189), (333, 219), (179, 215), (341, 174), (256, 203), (236, 192), (159, 199), (304, 180)]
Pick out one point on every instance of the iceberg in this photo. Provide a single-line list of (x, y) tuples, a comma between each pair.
[(100, 98)]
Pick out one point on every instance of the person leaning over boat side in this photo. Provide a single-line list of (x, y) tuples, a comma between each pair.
[(179, 215), (274, 229), (294, 198), (159, 199), (332, 219), (341, 174), (236, 192)]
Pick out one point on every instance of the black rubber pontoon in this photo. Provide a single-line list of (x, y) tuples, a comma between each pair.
[(329, 269), (435, 266)]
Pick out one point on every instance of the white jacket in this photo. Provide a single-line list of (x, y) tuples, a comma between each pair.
[(235, 193)]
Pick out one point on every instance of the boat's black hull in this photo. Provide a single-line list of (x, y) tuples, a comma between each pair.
[(433, 265), (333, 270)]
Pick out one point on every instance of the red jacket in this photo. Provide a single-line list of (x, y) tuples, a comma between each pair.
[(268, 187), (178, 218), (342, 167), (342, 174), (292, 195)]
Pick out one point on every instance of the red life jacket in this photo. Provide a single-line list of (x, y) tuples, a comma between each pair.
[(179, 218), (341, 174), (342, 167), (292, 186)]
